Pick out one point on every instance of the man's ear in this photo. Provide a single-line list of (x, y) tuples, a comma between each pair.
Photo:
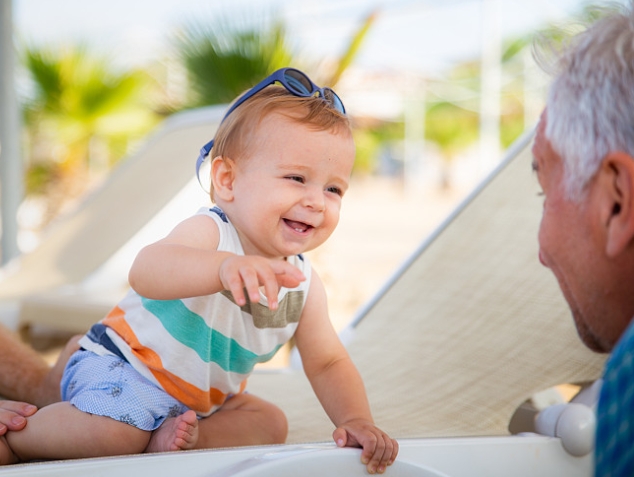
[(222, 176), (617, 183)]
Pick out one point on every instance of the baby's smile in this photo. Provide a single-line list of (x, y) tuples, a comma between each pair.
[(300, 227)]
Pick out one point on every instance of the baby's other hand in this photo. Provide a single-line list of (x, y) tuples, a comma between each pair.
[(250, 272), (379, 450)]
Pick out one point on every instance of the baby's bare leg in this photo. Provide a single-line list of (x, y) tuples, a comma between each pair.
[(243, 420), (6, 454), (176, 433), (61, 431)]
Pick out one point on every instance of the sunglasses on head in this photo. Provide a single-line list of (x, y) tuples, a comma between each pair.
[(295, 82)]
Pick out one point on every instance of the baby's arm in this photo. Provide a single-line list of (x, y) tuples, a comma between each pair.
[(338, 385), (187, 263)]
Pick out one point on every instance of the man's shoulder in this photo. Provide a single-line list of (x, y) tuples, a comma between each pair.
[(621, 361), (626, 344)]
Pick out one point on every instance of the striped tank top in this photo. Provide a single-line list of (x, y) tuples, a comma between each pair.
[(200, 349)]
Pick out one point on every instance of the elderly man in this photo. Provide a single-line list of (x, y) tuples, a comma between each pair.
[(584, 160)]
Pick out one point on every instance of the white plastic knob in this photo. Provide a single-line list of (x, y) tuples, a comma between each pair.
[(546, 420), (576, 427)]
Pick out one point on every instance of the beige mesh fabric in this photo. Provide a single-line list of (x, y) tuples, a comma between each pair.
[(467, 332)]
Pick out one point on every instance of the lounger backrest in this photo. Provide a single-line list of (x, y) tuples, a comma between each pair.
[(82, 240), (473, 325)]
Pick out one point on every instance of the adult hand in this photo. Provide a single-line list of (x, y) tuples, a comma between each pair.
[(379, 450), (13, 415)]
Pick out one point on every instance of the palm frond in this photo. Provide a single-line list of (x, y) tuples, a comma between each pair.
[(227, 56)]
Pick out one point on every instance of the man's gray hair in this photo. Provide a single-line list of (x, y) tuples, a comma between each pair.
[(590, 106)]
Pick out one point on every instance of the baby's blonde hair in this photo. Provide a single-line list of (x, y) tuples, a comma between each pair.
[(236, 133)]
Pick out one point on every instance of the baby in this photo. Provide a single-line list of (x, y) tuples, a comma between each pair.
[(223, 291)]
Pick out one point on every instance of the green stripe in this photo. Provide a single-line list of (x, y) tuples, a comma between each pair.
[(191, 330)]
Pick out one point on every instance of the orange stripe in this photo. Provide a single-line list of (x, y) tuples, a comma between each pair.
[(190, 395)]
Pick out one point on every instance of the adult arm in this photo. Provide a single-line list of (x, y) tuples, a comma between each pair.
[(23, 372), (25, 375)]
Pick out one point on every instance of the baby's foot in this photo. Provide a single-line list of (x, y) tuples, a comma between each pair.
[(176, 433), (6, 454)]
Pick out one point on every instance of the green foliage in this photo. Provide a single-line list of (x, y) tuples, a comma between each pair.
[(74, 86), (513, 47), (511, 121), (225, 56), (451, 127), (370, 139), (79, 105), (452, 120), (367, 144), (353, 48), (39, 176)]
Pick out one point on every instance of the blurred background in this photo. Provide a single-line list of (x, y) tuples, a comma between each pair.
[(436, 89)]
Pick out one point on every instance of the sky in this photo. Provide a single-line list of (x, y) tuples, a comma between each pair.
[(424, 36)]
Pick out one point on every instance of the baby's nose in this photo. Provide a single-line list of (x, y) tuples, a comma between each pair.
[(314, 199)]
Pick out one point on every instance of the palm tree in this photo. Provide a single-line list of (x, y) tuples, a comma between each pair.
[(81, 114), (229, 54), (226, 56)]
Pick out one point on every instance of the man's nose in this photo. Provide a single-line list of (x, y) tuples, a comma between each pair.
[(542, 258)]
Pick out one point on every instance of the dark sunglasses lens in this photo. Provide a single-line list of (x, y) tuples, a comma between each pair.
[(298, 82), (332, 98)]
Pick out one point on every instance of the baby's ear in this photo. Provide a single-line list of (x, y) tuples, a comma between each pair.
[(222, 176)]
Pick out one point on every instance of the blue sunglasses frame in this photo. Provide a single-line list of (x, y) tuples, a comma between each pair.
[(295, 81)]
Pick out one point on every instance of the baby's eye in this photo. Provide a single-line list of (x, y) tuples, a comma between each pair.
[(299, 179), (335, 190)]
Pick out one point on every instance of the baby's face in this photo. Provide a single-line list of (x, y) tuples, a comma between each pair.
[(287, 194)]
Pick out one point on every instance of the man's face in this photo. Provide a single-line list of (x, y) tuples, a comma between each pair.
[(571, 248)]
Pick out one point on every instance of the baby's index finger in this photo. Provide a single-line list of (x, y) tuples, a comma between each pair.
[(282, 267), (271, 297), (288, 278)]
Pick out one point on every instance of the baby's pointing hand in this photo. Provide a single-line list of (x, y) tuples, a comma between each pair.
[(250, 272)]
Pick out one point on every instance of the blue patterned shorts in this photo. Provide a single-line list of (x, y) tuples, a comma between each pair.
[(109, 386)]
